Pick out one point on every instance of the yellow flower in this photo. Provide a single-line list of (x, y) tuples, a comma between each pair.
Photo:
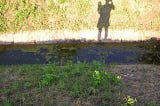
[(119, 77), (96, 72)]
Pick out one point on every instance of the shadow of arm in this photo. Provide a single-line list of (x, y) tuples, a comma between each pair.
[(99, 7)]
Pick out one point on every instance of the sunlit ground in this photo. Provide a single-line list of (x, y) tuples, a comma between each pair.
[(84, 35)]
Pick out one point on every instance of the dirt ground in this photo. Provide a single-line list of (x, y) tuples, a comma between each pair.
[(141, 82)]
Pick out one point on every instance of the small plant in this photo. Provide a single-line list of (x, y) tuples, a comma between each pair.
[(152, 55), (15, 86), (21, 15), (129, 101), (99, 76), (2, 18), (76, 90), (62, 1), (2, 23), (47, 78), (7, 103), (27, 84), (96, 78), (23, 2), (151, 104)]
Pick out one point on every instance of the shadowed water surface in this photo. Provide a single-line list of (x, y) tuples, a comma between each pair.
[(85, 52)]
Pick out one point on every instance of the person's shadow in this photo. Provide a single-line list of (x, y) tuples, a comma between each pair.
[(103, 22)]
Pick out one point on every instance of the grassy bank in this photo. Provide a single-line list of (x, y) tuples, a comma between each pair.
[(16, 15), (51, 84)]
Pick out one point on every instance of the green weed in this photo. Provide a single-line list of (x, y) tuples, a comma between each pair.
[(129, 101), (47, 78), (153, 103), (96, 78), (62, 1), (76, 90), (2, 23), (2, 18), (7, 103), (23, 2), (15, 86)]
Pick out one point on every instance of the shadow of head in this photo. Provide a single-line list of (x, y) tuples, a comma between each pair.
[(108, 1)]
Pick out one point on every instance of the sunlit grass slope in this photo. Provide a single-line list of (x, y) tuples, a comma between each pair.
[(26, 15)]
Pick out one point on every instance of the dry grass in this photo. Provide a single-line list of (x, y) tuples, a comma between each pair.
[(79, 15)]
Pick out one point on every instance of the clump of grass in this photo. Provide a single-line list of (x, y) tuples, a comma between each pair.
[(2, 23), (152, 56), (2, 18)]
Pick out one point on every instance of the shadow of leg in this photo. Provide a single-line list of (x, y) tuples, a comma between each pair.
[(106, 33), (99, 34)]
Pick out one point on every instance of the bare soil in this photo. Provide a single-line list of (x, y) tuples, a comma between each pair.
[(141, 82)]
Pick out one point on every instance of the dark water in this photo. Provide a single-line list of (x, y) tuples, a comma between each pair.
[(41, 54)]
